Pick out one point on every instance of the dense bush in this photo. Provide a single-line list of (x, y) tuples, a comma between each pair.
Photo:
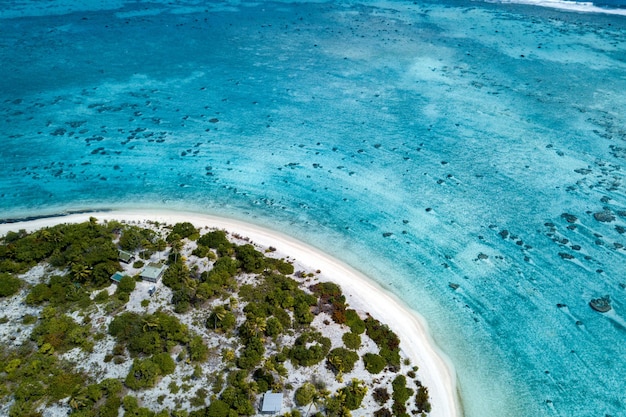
[(34, 379), (144, 373), (60, 331), (386, 340), (353, 394), (383, 412), (421, 400), (342, 360), (304, 394), (218, 408), (252, 353), (221, 319), (60, 292), (401, 394), (331, 300), (309, 348), (9, 285), (185, 230), (374, 363), (134, 238), (216, 240), (148, 333), (381, 395), (264, 379), (273, 327), (250, 259), (354, 321), (198, 350), (351, 340)]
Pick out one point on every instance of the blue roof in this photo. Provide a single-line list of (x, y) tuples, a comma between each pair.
[(117, 276)]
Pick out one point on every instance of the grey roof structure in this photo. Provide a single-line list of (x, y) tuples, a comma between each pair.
[(124, 256), (272, 403), (153, 271)]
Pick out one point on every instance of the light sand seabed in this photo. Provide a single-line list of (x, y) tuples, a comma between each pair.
[(435, 370)]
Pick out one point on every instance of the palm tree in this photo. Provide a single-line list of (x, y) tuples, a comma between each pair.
[(337, 363), (81, 272), (256, 325), (219, 313), (150, 323), (45, 235)]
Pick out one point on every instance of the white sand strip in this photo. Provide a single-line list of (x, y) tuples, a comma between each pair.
[(362, 293)]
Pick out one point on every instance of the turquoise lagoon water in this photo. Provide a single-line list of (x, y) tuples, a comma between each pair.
[(423, 143)]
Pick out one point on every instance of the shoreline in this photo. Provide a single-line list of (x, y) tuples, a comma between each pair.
[(361, 292)]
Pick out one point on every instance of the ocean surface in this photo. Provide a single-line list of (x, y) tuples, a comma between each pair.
[(470, 143)]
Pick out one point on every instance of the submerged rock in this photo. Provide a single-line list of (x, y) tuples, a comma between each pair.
[(604, 216), (570, 218), (602, 304)]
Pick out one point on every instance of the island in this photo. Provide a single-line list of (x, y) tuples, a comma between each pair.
[(146, 318)]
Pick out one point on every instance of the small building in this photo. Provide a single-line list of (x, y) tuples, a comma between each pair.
[(125, 257), (272, 403), (117, 277), (153, 272)]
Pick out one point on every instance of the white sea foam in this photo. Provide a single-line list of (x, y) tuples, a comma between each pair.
[(576, 6)]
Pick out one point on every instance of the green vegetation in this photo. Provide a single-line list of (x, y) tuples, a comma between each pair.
[(61, 292), (342, 360), (149, 333), (9, 285), (401, 394), (309, 349), (235, 294), (351, 340), (374, 363), (60, 332), (135, 238), (387, 341), (145, 372)]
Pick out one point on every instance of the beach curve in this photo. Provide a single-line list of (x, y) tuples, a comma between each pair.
[(362, 293)]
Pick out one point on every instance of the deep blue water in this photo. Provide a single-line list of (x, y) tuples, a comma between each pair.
[(423, 143)]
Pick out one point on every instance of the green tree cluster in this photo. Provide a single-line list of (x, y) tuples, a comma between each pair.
[(216, 240), (144, 373), (124, 288), (221, 319), (342, 360), (331, 300), (401, 394), (352, 394), (152, 333), (351, 340), (184, 230), (250, 260), (134, 238), (60, 292), (374, 363), (9, 285), (309, 349), (86, 248), (422, 400), (34, 378), (354, 321), (220, 279), (387, 341), (60, 332)]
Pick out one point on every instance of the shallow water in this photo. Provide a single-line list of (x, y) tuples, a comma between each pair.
[(425, 144)]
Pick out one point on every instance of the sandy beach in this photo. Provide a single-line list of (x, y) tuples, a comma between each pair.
[(361, 292)]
